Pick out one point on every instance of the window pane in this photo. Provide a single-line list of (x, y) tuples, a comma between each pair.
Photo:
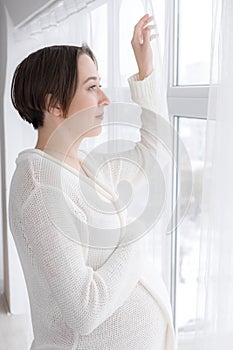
[(194, 42), (192, 134)]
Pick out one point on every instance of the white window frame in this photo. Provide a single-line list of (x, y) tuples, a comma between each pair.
[(182, 100), (188, 101)]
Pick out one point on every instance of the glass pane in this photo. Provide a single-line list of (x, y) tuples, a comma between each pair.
[(194, 42), (192, 134)]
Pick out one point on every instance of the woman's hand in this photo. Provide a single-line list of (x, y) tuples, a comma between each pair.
[(142, 47)]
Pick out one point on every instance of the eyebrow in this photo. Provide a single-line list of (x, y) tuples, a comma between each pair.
[(90, 78)]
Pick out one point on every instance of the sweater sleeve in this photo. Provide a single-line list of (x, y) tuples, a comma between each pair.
[(148, 94), (85, 297), (126, 165)]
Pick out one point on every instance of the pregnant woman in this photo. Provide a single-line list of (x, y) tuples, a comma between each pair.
[(85, 293)]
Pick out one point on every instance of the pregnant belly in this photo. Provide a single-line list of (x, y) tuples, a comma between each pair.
[(138, 324)]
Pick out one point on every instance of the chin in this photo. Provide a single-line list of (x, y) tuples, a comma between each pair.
[(94, 132)]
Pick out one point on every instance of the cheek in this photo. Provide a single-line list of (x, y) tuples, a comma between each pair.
[(83, 101), (89, 100)]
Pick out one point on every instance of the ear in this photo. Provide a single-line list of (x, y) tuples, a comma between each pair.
[(54, 109)]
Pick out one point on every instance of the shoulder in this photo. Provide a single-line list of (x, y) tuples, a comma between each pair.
[(23, 180), (34, 171)]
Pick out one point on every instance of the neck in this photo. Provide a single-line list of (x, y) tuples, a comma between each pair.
[(58, 138), (60, 146), (72, 153)]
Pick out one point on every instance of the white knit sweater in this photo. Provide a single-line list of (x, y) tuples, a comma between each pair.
[(82, 297)]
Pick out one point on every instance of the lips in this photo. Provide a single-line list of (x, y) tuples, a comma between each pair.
[(101, 116)]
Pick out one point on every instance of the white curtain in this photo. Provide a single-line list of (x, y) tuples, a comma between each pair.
[(215, 301)]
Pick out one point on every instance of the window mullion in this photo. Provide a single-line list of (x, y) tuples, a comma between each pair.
[(174, 204), (188, 106)]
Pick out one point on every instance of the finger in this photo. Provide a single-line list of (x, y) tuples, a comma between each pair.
[(149, 19), (143, 21), (137, 41), (153, 26), (139, 31), (139, 27), (147, 32), (154, 36), (146, 36), (137, 37)]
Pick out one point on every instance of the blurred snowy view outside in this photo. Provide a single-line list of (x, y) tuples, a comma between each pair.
[(192, 133)]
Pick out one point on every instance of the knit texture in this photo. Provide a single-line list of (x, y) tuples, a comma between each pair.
[(84, 298)]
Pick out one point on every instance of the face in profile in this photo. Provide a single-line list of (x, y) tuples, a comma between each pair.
[(89, 99), (86, 110)]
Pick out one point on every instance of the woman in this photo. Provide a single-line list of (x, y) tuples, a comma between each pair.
[(86, 290)]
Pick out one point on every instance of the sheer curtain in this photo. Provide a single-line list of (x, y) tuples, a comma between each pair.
[(215, 302)]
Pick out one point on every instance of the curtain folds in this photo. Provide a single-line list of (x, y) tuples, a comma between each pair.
[(215, 302)]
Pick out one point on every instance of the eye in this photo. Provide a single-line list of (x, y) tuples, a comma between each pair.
[(93, 87)]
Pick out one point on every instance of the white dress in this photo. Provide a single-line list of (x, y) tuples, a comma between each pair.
[(84, 298)]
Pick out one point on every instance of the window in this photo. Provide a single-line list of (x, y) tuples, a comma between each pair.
[(189, 62)]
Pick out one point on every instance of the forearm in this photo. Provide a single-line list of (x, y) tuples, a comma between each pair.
[(149, 93)]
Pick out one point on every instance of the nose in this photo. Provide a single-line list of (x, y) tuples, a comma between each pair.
[(103, 100)]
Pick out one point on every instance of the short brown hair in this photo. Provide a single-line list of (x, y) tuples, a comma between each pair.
[(50, 70)]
